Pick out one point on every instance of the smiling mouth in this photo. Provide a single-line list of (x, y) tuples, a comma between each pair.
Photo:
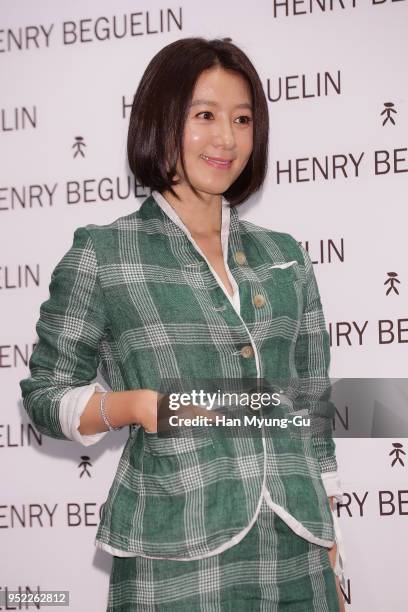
[(217, 163)]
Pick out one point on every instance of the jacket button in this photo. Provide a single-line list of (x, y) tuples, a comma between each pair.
[(259, 300), (240, 257), (247, 351)]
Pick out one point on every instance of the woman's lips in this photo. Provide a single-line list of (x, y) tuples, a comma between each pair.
[(222, 165)]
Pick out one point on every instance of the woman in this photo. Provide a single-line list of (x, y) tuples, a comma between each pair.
[(182, 290)]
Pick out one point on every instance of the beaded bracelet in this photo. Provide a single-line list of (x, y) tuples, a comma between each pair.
[(103, 413)]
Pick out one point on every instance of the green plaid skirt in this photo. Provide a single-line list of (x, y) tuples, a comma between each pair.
[(271, 570)]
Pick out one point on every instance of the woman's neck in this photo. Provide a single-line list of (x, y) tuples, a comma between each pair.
[(202, 217)]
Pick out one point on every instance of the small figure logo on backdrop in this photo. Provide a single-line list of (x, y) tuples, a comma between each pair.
[(398, 451), (388, 109), (84, 465), (78, 146), (391, 281)]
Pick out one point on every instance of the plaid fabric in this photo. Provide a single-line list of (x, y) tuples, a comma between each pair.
[(270, 570), (136, 299)]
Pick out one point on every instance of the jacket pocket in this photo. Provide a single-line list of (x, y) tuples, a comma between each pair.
[(284, 273)]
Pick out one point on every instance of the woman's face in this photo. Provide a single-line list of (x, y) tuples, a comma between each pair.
[(218, 133)]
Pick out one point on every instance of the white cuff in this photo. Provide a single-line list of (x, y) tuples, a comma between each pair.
[(72, 405), (332, 484)]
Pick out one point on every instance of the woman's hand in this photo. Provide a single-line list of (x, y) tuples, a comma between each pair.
[(145, 402), (340, 595), (332, 556), (151, 412), (149, 405)]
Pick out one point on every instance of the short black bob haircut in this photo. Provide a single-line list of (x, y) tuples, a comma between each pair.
[(160, 108)]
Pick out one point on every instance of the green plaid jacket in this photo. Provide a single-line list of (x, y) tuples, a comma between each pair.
[(137, 300)]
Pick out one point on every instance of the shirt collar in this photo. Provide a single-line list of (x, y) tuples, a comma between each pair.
[(229, 229)]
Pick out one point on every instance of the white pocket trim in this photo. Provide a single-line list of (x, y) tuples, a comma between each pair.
[(283, 265)]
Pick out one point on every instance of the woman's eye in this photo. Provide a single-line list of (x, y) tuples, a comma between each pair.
[(204, 113), (248, 119)]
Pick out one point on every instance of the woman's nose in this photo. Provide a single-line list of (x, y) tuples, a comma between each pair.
[(224, 134)]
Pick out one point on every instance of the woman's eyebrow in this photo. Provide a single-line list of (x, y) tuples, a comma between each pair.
[(212, 103)]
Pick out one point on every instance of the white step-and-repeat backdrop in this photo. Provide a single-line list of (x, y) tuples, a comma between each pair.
[(335, 75)]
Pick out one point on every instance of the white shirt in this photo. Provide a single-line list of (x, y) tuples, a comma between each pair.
[(73, 404)]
